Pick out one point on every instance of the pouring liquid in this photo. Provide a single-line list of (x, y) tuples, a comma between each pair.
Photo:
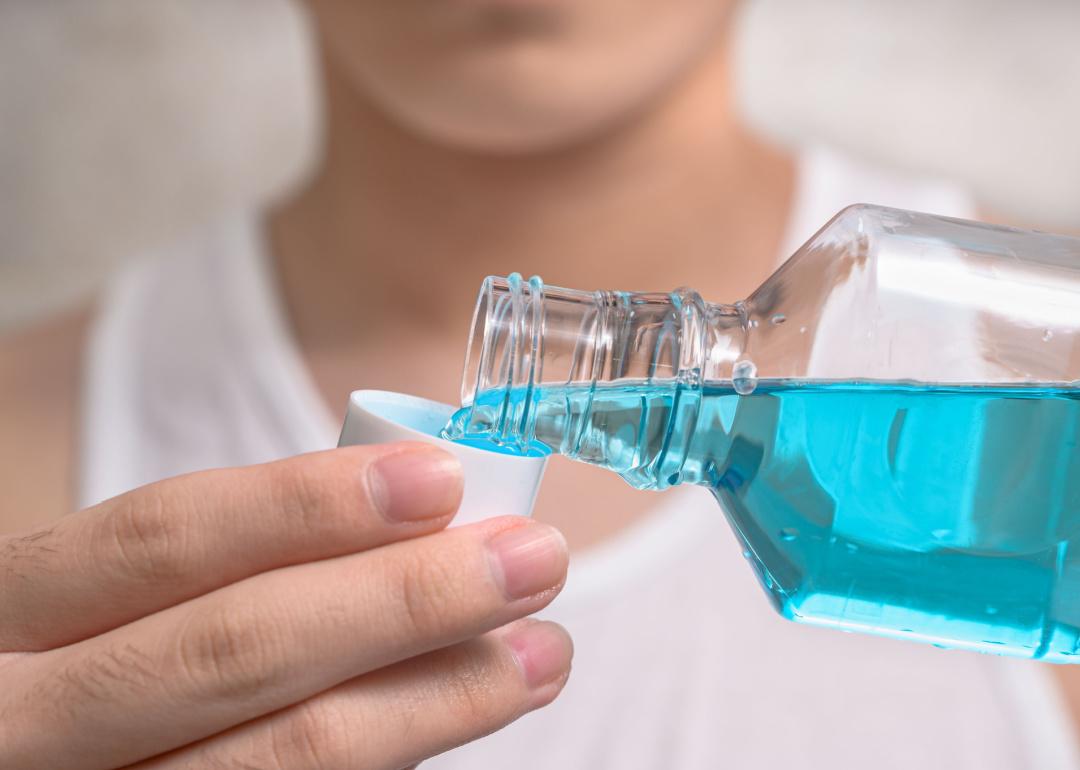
[(947, 514)]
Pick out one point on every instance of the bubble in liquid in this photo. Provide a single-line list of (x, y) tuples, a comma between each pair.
[(746, 554), (753, 323), (802, 330), (991, 609), (788, 534), (744, 377), (778, 319), (1048, 335)]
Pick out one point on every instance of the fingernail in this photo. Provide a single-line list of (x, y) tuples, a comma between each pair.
[(416, 484), (528, 559), (542, 651)]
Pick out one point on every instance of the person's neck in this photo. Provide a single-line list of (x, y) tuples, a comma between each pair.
[(384, 251)]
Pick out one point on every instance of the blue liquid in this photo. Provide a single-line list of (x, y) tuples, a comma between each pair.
[(943, 514)]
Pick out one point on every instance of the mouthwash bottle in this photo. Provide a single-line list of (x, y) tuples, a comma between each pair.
[(889, 423)]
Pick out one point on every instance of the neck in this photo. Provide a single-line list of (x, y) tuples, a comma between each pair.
[(397, 232)]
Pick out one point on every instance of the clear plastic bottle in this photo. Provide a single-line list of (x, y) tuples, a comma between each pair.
[(890, 422)]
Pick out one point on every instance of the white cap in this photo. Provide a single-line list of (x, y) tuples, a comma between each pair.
[(496, 484)]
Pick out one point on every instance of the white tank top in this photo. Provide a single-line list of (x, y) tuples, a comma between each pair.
[(680, 662)]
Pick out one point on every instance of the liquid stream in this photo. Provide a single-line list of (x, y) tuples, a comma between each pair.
[(943, 514)]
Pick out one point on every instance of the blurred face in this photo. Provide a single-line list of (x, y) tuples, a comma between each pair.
[(516, 75)]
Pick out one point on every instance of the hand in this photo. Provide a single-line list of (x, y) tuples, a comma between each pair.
[(309, 613)]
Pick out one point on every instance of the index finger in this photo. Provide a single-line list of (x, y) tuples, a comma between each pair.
[(169, 542)]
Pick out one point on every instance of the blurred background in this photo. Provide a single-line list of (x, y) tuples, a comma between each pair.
[(124, 123)]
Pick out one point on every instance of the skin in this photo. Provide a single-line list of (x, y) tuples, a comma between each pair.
[(595, 144), (141, 635), (716, 198)]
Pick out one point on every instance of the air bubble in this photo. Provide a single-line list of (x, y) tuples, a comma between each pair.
[(991, 609), (753, 323), (787, 534), (1048, 335), (778, 319), (802, 330), (746, 554), (941, 534), (744, 377)]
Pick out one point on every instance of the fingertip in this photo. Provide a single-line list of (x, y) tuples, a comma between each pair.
[(543, 652), (415, 482), (529, 560)]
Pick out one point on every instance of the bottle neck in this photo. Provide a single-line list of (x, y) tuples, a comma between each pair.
[(528, 338)]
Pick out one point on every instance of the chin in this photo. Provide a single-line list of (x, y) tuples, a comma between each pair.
[(502, 106), (565, 77), (515, 77), (533, 130), (498, 113)]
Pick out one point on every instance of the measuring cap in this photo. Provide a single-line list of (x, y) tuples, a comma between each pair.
[(496, 484)]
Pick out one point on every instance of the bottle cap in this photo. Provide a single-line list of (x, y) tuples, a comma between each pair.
[(496, 484)]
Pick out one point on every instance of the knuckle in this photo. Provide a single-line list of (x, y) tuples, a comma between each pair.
[(149, 540), (114, 673), (228, 651), (314, 736), (473, 691), (432, 596), (304, 493), (21, 556)]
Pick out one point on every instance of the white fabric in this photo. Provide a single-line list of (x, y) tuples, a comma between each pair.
[(680, 661)]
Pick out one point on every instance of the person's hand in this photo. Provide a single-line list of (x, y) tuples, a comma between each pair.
[(308, 613)]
